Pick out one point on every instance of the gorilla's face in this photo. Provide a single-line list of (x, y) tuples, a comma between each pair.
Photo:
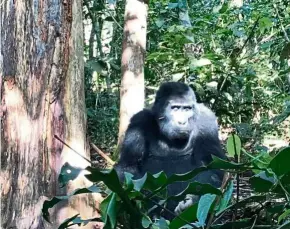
[(178, 119), (175, 110)]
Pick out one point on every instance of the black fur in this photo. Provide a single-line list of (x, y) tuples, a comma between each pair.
[(154, 141)]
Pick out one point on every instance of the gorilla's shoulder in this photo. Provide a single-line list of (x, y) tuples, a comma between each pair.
[(207, 121), (143, 118), (206, 113)]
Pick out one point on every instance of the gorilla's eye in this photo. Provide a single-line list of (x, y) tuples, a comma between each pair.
[(187, 108), (175, 108)]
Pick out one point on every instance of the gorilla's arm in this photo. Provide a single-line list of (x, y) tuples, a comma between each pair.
[(134, 145)]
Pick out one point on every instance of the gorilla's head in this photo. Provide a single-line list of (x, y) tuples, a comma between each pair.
[(175, 110)]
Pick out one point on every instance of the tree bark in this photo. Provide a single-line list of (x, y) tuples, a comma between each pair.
[(132, 91), (42, 95)]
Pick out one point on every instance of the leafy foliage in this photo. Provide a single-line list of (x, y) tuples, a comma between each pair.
[(127, 205)]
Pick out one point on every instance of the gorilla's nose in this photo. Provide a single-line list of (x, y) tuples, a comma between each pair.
[(182, 122)]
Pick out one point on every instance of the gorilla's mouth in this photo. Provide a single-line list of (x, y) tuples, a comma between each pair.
[(182, 133)]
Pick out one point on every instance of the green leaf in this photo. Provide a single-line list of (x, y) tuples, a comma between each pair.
[(283, 216), (97, 65), (262, 182), (111, 180), (198, 189), (285, 225), (172, 5), (146, 221), (265, 23), (109, 210), (68, 173), (150, 182), (218, 163), (178, 177), (200, 62), (228, 96), (226, 198), (204, 205), (128, 181), (163, 223), (234, 146), (224, 8), (177, 76), (188, 215), (280, 163), (159, 22), (212, 85), (75, 220)]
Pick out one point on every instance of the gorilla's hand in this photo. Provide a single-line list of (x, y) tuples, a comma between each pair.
[(187, 202)]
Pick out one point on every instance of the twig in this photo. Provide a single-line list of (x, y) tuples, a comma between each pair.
[(58, 138), (102, 154)]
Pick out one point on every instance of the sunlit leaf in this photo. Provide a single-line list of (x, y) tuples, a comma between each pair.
[(234, 145), (280, 163), (204, 205)]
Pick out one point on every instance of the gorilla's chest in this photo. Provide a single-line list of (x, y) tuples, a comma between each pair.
[(161, 157), (170, 165)]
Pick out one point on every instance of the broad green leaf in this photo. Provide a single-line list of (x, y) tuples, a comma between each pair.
[(128, 181), (228, 96), (109, 211), (163, 223), (283, 216), (265, 23), (280, 163), (172, 5), (146, 221), (111, 180), (68, 173), (177, 76), (218, 163), (159, 22), (150, 182), (212, 85), (226, 198), (262, 182), (224, 8), (188, 215), (179, 177), (200, 62), (75, 220), (234, 146), (198, 189), (204, 205), (97, 65)]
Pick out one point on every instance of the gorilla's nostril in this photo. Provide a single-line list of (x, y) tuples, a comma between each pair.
[(182, 123)]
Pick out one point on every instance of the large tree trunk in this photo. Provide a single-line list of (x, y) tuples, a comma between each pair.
[(42, 95), (132, 91)]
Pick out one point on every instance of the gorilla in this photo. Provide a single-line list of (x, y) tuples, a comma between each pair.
[(176, 136)]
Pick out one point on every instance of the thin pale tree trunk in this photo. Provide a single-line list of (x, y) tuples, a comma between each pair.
[(42, 95), (132, 91)]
